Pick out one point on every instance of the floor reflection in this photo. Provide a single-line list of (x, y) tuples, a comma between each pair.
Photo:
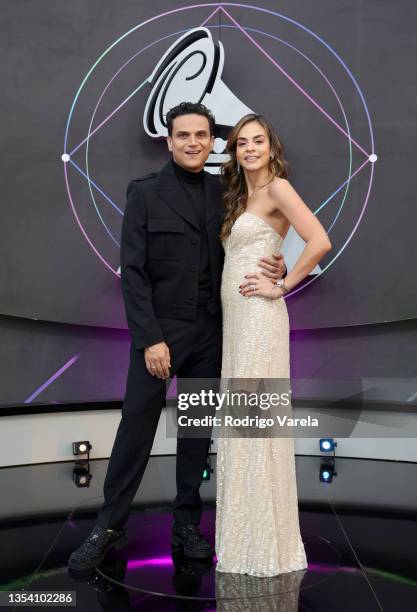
[(240, 592)]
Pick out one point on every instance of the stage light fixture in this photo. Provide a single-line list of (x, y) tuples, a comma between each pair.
[(81, 448), (81, 475), (327, 470), (327, 445)]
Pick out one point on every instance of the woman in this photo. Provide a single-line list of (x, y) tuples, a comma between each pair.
[(257, 524)]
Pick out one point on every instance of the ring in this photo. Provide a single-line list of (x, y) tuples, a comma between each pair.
[(153, 368), (252, 287)]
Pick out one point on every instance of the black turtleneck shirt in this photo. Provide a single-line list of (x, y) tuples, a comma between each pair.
[(193, 185)]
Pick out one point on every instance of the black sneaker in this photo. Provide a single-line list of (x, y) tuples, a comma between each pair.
[(188, 537), (92, 552)]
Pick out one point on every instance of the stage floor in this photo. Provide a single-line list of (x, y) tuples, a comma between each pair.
[(360, 542)]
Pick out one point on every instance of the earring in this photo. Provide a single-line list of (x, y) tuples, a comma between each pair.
[(272, 156), (238, 166)]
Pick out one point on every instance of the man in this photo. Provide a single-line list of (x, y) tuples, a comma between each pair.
[(171, 261)]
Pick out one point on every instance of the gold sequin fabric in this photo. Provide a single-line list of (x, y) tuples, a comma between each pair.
[(257, 521)]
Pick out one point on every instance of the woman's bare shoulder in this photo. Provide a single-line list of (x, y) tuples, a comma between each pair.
[(278, 187)]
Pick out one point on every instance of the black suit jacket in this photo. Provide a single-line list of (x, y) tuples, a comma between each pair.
[(160, 252)]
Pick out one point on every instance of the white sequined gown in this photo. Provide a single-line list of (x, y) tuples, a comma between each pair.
[(257, 523)]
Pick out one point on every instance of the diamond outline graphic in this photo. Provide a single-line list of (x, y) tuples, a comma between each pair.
[(370, 157)]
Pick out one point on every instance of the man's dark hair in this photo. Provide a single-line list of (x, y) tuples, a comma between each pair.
[(190, 108)]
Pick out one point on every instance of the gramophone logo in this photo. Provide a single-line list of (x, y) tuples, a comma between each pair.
[(191, 68)]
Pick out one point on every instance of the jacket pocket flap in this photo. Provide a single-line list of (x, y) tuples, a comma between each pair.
[(166, 225)]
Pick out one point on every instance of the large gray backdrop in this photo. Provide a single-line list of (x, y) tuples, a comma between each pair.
[(48, 269)]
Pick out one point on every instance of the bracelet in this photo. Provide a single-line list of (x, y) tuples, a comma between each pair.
[(281, 284)]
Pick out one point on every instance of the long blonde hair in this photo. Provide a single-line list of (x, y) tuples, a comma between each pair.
[(236, 193)]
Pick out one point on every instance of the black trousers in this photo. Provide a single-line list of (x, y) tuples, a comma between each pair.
[(195, 348)]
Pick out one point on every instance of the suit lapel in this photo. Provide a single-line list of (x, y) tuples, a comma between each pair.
[(171, 192)]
